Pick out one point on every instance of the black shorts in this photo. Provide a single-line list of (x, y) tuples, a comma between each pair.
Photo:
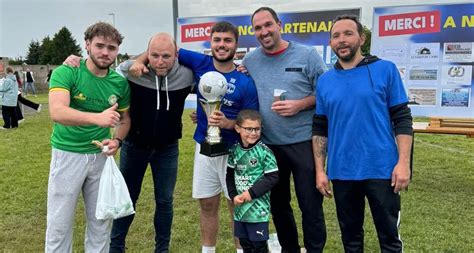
[(255, 232)]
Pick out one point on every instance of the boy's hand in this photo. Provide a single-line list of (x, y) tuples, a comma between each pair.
[(238, 200), (246, 196)]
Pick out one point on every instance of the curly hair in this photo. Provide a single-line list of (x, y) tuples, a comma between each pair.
[(103, 29)]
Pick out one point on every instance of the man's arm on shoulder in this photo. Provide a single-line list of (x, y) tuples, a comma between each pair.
[(191, 59), (139, 67), (124, 67)]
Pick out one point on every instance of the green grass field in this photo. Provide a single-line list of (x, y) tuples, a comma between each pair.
[(437, 211)]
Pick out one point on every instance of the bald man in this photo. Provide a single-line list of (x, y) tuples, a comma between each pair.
[(156, 107), (157, 103)]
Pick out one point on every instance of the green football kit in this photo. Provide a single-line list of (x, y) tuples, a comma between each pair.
[(88, 93), (250, 166)]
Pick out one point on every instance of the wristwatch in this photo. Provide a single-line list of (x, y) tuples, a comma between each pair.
[(119, 141)]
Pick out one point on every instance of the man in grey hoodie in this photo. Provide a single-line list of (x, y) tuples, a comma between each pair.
[(156, 106), (157, 103)]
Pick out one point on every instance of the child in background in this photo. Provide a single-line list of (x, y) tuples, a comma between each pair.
[(251, 173)]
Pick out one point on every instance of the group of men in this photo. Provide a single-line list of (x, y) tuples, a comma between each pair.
[(355, 128)]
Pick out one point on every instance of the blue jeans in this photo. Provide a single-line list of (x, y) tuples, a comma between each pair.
[(32, 86), (164, 167)]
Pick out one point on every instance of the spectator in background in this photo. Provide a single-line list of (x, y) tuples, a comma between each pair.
[(9, 94), (48, 77), (18, 80), (29, 82), (24, 101)]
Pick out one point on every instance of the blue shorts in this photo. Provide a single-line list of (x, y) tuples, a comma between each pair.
[(255, 232)]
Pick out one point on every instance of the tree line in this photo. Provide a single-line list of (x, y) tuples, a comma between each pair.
[(54, 51)]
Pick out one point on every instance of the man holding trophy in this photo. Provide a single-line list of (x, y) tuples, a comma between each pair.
[(210, 159), (209, 171)]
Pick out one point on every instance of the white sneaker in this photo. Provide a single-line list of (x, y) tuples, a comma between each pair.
[(21, 121), (39, 108), (36, 96)]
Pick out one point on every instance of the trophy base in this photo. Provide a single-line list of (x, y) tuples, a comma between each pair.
[(213, 149)]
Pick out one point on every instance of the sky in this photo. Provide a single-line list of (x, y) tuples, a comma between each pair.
[(22, 21)]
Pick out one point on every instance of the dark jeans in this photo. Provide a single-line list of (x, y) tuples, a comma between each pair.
[(164, 168), (385, 208), (10, 118), (297, 159)]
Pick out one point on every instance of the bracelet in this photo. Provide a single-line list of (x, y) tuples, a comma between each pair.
[(119, 141)]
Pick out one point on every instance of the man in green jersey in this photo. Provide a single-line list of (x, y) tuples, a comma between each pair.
[(251, 173), (85, 103)]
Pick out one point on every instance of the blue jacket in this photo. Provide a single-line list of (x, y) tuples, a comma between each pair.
[(9, 91)]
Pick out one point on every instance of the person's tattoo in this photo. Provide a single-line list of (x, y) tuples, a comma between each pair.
[(321, 146)]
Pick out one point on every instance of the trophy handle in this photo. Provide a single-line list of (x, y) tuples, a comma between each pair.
[(213, 132)]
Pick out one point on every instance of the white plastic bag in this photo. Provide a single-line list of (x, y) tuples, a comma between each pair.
[(273, 244), (113, 200)]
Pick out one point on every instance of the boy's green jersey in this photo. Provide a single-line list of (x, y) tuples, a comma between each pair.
[(88, 93), (250, 165)]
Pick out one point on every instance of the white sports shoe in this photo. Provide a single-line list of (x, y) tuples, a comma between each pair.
[(39, 108)]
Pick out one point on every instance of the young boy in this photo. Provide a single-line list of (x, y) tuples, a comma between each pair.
[(251, 173)]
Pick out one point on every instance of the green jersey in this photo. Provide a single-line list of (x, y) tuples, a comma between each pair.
[(250, 165), (88, 93)]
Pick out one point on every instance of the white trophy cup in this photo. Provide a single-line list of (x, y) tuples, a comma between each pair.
[(212, 87)]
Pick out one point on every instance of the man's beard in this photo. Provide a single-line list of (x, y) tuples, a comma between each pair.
[(227, 59), (350, 56), (97, 64)]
